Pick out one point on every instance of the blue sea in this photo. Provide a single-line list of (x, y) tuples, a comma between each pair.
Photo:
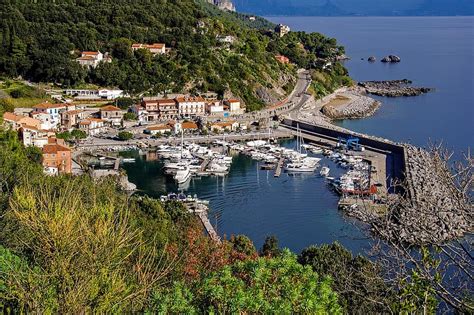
[(436, 52), (301, 210)]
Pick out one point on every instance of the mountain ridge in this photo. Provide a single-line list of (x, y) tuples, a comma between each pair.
[(356, 8)]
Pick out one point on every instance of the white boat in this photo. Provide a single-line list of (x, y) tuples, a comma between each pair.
[(324, 171), (182, 175), (256, 143), (217, 168), (128, 160)]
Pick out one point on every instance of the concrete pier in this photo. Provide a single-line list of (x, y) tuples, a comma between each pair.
[(202, 212)]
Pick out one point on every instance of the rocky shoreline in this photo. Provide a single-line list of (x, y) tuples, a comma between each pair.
[(357, 106), (393, 88)]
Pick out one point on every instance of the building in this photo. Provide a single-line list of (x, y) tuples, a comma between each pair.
[(95, 94), (234, 105), (185, 126), (191, 106), (45, 119), (112, 115), (160, 108), (14, 121), (141, 112), (92, 126), (158, 129), (282, 59), (224, 126), (91, 59), (215, 108), (282, 29), (155, 49), (71, 118), (53, 110), (56, 157), (32, 136)]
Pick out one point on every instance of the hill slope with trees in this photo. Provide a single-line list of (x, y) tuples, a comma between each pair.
[(40, 41)]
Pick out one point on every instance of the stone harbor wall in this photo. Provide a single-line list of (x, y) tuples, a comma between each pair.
[(434, 211)]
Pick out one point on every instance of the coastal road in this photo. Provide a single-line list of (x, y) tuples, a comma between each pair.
[(295, 100)]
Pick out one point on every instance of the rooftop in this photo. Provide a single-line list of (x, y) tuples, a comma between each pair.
[(109, 108), (55, 148), (48, 106)]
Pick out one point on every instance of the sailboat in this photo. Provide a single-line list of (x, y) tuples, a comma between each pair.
[(301, 163)]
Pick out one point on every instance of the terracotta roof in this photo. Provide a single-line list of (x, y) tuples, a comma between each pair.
[(183, 99), (48, 105), (166, 101), (109, 108), (189, 125), (12, 117), (91, 53), (30, 127), (233, 101), (224, 124), (147, 46), (54, 148), (74, 112), (95, 119), (85, 122), (86, 58)]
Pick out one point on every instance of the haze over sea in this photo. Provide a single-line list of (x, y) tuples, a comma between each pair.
[(436, 52), (301, 210)]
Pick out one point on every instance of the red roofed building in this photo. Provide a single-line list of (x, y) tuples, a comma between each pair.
[(92, 59), (191, 106), (160, 109), (155, 49), (111, 114), (56, 157)]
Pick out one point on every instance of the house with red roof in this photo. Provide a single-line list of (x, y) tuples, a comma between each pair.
[(155, 49), (56, 157), (112, 115), (91, 59)]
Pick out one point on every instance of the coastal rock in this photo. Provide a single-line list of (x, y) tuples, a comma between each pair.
[(371, 59), (391, 58), (394, 88)]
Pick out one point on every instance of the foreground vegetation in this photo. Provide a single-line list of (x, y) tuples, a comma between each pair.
[(72, 245), (39, 41)]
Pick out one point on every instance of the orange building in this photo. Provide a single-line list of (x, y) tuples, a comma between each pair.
[(57, 157)]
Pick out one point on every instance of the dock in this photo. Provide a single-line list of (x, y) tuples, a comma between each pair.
[(279, 167), (202, 212)]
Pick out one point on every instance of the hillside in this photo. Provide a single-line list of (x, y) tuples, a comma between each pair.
[(41, 41), (357, 7)]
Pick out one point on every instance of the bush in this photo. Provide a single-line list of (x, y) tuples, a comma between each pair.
[(130, 116), (78, 134), (125, 135)]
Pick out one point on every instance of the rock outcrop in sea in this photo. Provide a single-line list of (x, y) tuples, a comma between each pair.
[(393, 88), (391, 58)]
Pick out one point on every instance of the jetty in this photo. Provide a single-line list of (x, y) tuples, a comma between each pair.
[(201, 211), (279, 167)]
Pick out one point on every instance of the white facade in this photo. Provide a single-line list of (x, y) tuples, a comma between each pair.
[(34, 137), (54, 112), (45, 119), (191, 106), (92, 126)]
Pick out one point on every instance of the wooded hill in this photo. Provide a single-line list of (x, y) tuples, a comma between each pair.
[(40, 41)]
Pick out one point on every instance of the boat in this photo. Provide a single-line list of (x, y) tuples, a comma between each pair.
[(324, 171), (182, 174), (128, 160)]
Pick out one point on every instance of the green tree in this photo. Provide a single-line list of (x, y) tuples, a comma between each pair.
[(124, 102), (357, 280), (130, 116), (270, 247), (78, 134), (264, 286), (242, 244), (125, 135)]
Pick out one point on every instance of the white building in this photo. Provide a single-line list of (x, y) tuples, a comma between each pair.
[(53, 110), (92, 126), (155, 49), (191, 106), (32, 136), (91, 59), (282, 29), (234, 105), (45, 119), (215, 108), (95, 94), (158, 129), (141, 113)]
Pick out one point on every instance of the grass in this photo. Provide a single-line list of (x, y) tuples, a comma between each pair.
[(339, 100), (22, 95)]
